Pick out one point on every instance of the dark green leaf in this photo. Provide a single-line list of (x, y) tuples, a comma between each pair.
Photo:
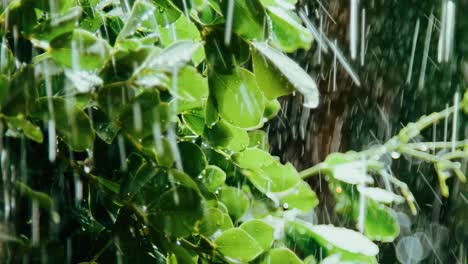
[(72, 124)]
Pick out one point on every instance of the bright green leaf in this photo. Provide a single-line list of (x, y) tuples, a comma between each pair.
[(239, 100), (31, 131), (235, 243), (80, 49), (235, 200), (281, 256), (260, 231), (213, 177)]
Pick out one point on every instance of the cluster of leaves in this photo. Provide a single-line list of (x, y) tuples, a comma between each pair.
[(156, 107)]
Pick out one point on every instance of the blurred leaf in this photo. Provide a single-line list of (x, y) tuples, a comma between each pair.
[(356, 247), (259, 139), (280, 256), (239, 100), (183, 29), (177, 211), (56, 26), (141, 11), (260, 231), (80, 49), (144, 112), (22, 92), (235, 243), (72, 124), (31, 131), (301, 197), (380, 223)]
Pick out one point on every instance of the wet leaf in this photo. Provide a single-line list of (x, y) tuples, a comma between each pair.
[(177, 211), (380, 223), (235, 243), (260, 231), (190, 89), (290, 70), (301, 197), (248, 18), (183, 29), (72, 124), (235, 200), (280, 256), (80, 50), (214, 221), (356, 246), (193, 158), (287, 32), (225, 136), (195, 121), (238, 98), (141, 11), (253, 158), (274, 177), (213, 177), (30, 131)]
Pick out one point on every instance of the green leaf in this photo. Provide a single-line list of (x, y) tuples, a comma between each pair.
[(332, 240), (214, 220), (235, 243), (287, 32), (272, 108), (239, 100), (112, 99), (280, 256), (253, 158), (195, 121), (191, 89), (259, 139), (177, 211), (43, 199), (72, 124), (248, 18), (183, 29), (211, 113), (235, 200), (260, 231), (80, 49), (225, 136), (380, 223), (166, 13), (289, 70), (465, 102), (274, 177), (145, 111), (301, 197), (138, 177), (108, 184), (213, 177), (31, 131), (22, 92), (174, 56), (56, 26), (224, 58), (193, 158), (141, 11)]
